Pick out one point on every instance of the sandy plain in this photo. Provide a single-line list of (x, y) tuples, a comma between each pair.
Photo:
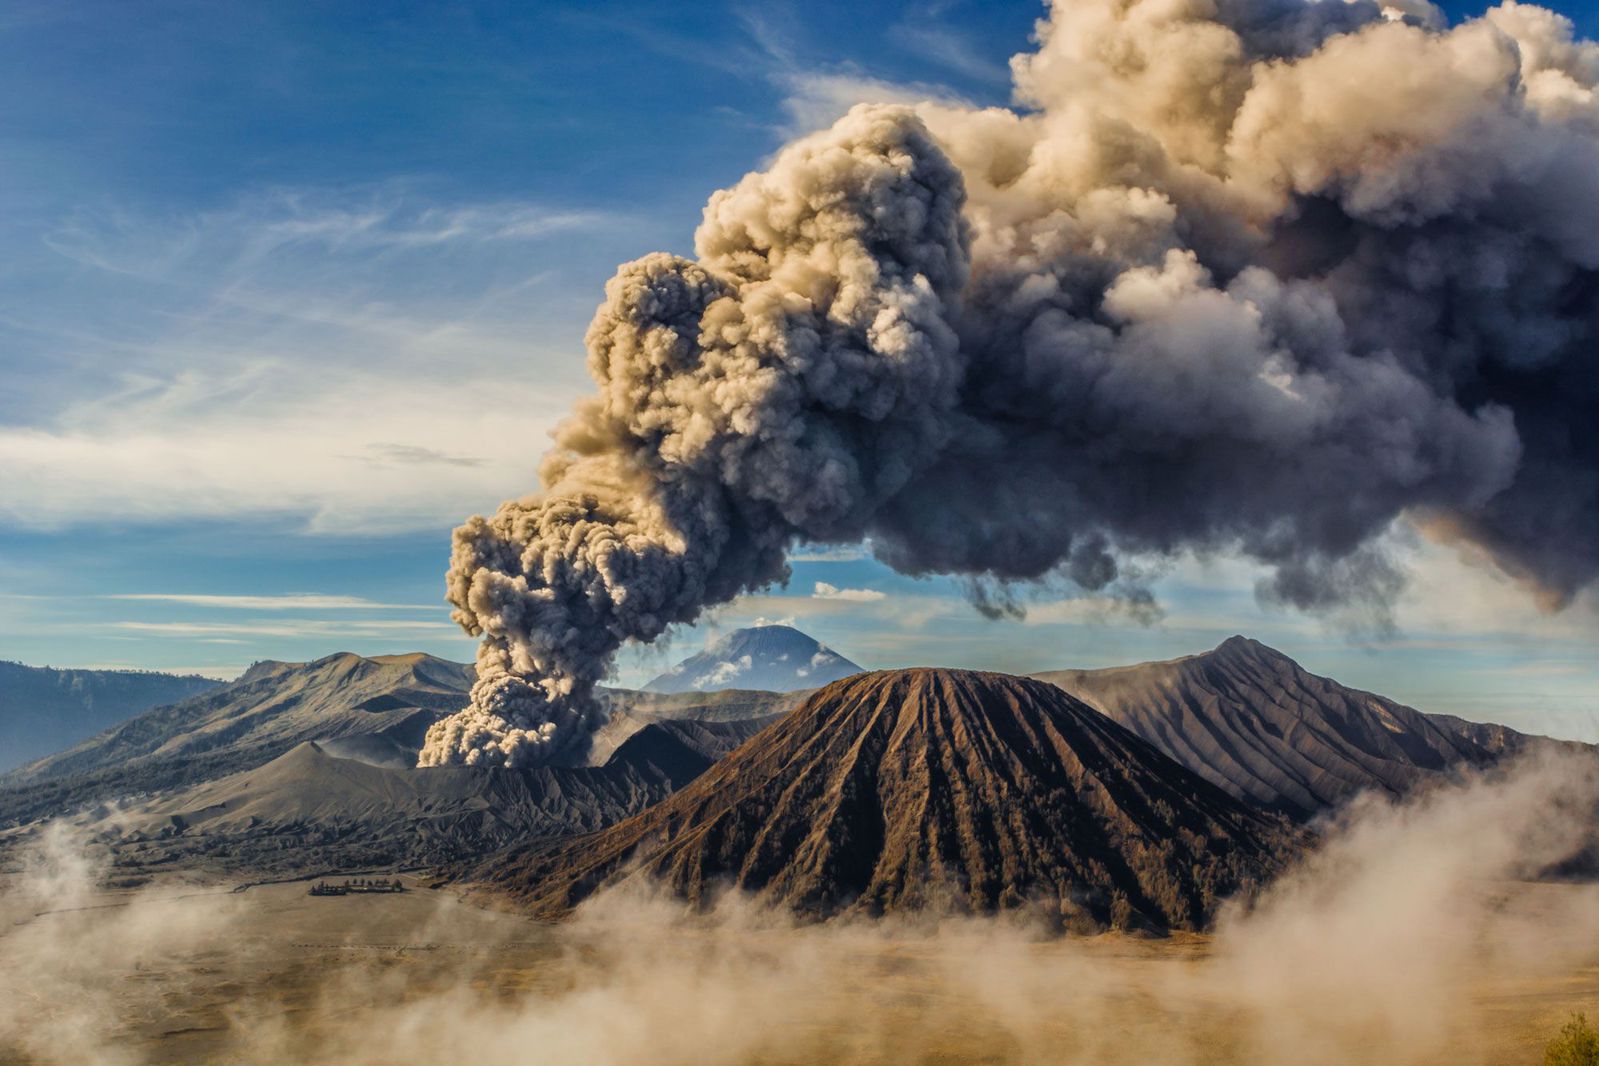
[(194, 973)]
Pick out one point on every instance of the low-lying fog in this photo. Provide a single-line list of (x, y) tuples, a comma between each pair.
[(1408, 937)]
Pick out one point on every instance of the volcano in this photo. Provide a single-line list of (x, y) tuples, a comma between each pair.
[(1252, 721), (771, 658), (914, 789)]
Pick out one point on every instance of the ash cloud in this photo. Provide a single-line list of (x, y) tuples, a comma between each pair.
[(785, 385), (1259, 276)]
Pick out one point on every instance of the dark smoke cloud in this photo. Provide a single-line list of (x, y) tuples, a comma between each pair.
[(1258, 276)]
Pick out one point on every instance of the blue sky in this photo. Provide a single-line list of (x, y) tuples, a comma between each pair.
[(291, 288)]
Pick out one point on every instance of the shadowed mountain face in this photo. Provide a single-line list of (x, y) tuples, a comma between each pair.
[(629, 711), (914, 788), (1252, 721), (271, 708), (372, 704), (769, 658), (308, 812), (43, 710), (372, 710)]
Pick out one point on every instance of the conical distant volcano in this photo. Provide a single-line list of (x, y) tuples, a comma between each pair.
[(775, 658), (905, 789)]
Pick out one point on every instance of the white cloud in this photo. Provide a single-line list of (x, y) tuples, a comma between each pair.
[(831, 553), (817, 96), (344, 361), (725, 672), (303, 627), (824, 591), (941, 45), (308, 601), (281, 451), (266, 222), (900, 612), (816, 99), (1458, 593)]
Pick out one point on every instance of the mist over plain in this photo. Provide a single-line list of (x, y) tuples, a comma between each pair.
[(1381, 945)]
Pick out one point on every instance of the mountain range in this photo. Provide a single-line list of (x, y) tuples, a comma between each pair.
[(371, 710), (311, 767), (375, 703), (1254, 722), (1066, 786), (310, 812), (43, 710), (375, 709)]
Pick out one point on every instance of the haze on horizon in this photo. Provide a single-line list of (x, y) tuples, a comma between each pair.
[(249, 357)]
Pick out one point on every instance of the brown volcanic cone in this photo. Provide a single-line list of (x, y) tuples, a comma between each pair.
[(902, 789)]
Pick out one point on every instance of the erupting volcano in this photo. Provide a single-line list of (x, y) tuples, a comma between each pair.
[(908, 789)]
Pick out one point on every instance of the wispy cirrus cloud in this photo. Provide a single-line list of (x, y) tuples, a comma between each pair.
[(832, 553), (930, 40), (414, 455), (817, 98), (341, 360), (825, 591), (816, 94), (906, 613), (268, 222), (303, 455), (304, 601), (341, 629)]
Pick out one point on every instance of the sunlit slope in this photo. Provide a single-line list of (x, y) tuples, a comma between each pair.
[(1251, 720)]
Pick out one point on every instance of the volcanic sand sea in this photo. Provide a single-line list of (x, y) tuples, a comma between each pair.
[(282, 976)]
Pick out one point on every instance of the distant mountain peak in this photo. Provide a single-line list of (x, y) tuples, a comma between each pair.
[(1252, 720), (773, 658), (410, 658), (1249, 645), (1242, 647), (348, 662)]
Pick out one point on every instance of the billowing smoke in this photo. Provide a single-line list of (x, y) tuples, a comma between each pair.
[(1255, 276), (791, 382)]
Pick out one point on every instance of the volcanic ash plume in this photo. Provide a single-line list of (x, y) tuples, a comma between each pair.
[(1260, 276), (786, 384)]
